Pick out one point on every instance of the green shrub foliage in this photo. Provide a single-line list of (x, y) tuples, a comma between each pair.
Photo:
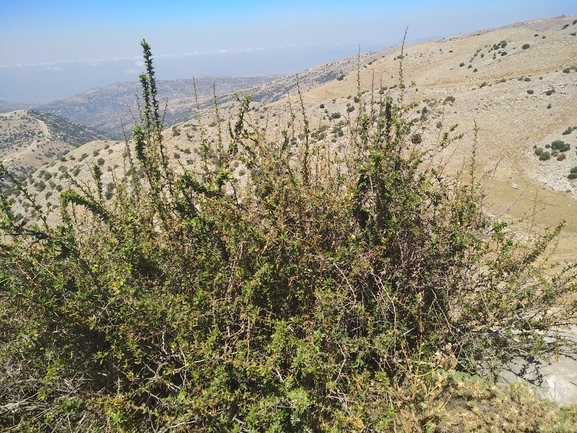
[(560, 146), (305, 296), (544, 156)]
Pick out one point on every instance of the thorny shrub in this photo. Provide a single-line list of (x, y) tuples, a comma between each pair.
[(320, 292)]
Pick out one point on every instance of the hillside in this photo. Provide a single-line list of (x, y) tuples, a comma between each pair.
[(306, 80), (518, 84), (29, 139)]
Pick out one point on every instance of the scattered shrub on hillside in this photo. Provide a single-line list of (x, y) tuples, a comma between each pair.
[(461, 64), (449, 99), (560, 146), (337, 131), (573, 173), (336, 115), (561, 157), (526, 46), (340, 78), (569, 130), (501, 44), (549, 92), (530, 92), (544, 156), (40, 185)]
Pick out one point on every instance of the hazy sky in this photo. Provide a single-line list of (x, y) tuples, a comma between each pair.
[(52, 49)]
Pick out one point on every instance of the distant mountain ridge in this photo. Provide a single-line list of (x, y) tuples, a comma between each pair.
[(308, 79), (6, 106), (108, 108)]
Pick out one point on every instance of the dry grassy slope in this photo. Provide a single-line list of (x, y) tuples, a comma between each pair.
[(511, 120), (71, 170)]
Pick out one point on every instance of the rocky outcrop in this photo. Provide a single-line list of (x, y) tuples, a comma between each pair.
[(554, 378)]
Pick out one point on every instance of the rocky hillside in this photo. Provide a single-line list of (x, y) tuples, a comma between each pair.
[(29, 139)]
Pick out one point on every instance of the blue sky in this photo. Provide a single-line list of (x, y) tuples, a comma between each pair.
[(52, 49)]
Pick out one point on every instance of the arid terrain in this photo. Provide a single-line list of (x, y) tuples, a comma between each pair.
[(385, 242), (29, 139), (516, 84)]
